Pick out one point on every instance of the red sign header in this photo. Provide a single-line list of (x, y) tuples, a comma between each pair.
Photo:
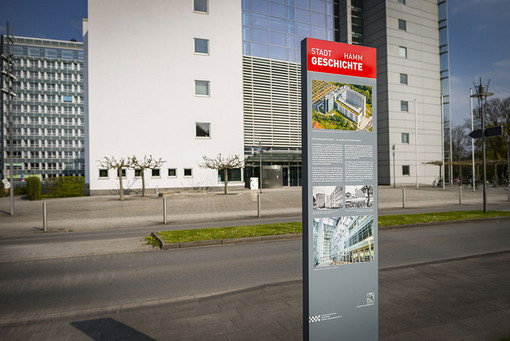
[(343, 59)]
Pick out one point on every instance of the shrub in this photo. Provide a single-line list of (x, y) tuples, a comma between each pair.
[(66, 186), (2, 191), (33, 188)]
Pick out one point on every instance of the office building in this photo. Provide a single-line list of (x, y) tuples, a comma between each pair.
[(48, 114), (180, 80)]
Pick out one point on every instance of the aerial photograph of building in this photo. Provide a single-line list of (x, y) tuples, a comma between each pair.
[(343, 240), (341, 106)]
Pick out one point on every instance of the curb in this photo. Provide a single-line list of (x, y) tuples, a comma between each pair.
[(213, 242)]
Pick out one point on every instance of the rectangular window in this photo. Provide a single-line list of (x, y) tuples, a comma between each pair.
[(188, 172), (67, 54), (103, 173), (203, 129), (201, 46), (67, 98), (404, 106), (138, 173), (123, 173), (403, 78), (202, 88), (402, 25), (233, 175), (406, 170), (200, 6), (155, 173), (402, 51), (50, 53), (172, 172), (405, 138), (402, 1)]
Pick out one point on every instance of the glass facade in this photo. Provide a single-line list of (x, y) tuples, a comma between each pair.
[(48, 116), (274, 28), (444, 61)]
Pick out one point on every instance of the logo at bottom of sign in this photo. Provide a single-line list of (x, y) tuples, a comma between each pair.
[(323, 317)]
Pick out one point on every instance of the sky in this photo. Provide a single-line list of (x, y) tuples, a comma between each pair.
[(479, 37)]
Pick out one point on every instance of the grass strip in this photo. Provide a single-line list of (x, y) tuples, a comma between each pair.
[(402, 219), (289, 228), (230, 232)]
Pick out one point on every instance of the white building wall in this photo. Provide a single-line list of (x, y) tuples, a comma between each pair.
[(141, 79)]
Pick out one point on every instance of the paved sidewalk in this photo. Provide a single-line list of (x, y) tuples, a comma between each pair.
[(466, 299), (107, 212)]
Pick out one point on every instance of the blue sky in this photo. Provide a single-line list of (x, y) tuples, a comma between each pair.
[(479, 39)]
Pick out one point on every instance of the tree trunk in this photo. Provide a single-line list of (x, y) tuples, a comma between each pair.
[(225, 172), (121, 188), (142, 171)]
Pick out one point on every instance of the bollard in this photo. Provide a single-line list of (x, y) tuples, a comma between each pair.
[(460, 195), (258, 204), (44, 220), (404, 197), (164, 210)]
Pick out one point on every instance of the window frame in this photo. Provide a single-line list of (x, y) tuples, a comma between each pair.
[(156, 176), (198, 11), (195, 47), (406, 82), (406, 170), (168, 173), (123, 172), (208, 132), (402, 25), (138, 173), (404, 50), (208, 88), (406, 139), (190, 171), (406, 106), (105, 176)]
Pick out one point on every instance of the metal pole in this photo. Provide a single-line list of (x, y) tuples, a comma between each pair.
[(164, 210), (460, 194), (508, 164), (442, 143), (394, 174), (472, 140), (483, 157), (260, 161), (44, 219), (258, 204), (416, 140), (403, 197)]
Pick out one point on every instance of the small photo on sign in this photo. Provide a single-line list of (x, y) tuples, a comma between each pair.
[(328, 197), (341, 106), (359, 196), (343, 240)]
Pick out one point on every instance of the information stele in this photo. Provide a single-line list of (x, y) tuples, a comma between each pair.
[(340, 233)]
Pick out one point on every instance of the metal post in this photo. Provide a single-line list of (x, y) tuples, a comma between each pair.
[(44, 219), (258, 204), (403, 197), (442, 143), (460, 194), (416, 140), (472, 140), (260, 161), (507, 138), (164, 210), (394, 174)]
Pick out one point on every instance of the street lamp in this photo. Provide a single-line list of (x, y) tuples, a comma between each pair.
[(481, 95)]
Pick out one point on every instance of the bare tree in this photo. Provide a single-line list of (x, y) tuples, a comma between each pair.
[(222, 164), (119, 165), (141, 165)]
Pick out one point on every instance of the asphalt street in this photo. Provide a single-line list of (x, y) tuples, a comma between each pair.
[(34, 290)]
